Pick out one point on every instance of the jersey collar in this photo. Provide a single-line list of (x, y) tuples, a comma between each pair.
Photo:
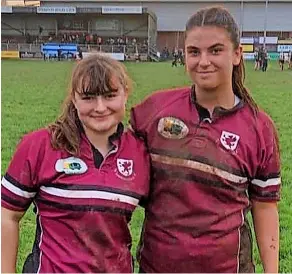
[(218, 110)]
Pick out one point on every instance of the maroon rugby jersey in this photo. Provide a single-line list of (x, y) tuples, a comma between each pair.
[(205, 173), (83, 208)]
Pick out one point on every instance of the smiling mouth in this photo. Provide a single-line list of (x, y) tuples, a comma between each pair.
[(205, 72), (99, 117)]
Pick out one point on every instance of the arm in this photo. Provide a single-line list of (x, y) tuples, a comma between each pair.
[(9, 239), (266, 225)]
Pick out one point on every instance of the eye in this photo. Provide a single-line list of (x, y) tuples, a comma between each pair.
[(110, 95), (87, 98), (194, 52), (216, 51)]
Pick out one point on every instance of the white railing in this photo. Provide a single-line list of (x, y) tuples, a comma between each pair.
[(126, 49)]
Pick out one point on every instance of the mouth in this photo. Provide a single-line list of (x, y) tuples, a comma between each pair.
[(99, 117), (205, 72)]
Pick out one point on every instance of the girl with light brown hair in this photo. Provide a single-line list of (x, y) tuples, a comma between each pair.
[(85, 176)]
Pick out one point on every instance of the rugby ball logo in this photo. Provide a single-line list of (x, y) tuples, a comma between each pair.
[(229, 140), (172, 128)]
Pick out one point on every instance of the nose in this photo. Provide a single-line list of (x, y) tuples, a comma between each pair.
[(204, 60), (99, 105)]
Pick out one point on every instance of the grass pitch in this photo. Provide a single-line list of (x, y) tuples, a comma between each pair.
[(32, 92)]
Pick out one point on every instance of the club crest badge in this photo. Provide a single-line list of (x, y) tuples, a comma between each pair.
[(125, 167), (229, 140), (172, 128), (71, 165)]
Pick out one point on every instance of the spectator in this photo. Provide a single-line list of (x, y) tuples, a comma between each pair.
[(265, 58), (282, 60)]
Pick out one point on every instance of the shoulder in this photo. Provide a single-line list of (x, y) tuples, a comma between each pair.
[(168, 95), (37, 136), (36, 141), (132, 142), (161, 99), (267, 128), (264, 120)]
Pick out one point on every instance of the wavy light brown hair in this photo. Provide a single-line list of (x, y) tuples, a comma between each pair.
[(91, 76), (220, 17)]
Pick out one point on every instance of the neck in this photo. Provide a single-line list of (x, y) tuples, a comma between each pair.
[(100, 140), (221, 96)]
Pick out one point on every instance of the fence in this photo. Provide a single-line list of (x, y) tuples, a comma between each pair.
[(126, 49)]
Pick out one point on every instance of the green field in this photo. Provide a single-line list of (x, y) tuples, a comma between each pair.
[(32, 92)]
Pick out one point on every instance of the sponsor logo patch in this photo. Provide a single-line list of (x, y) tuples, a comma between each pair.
[(71, 165), (172, 128), (229, 140)]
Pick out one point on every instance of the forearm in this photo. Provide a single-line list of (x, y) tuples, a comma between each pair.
[(9, 245), (266, 224)]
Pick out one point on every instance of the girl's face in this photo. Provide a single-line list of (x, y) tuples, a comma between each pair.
[(100, 114), (210, 57)]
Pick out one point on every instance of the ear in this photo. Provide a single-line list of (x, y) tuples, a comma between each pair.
[(237, 55), (126, 91)]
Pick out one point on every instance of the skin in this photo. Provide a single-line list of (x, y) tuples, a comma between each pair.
[(210, 57), (100, 115), (9, 239), (266, 225)]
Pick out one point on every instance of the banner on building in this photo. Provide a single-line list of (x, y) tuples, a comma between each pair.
[(71, 10), (285, 48), (121, 9), (274, 55), (10, 54), (287, 42), (247, 48), (88, 10), (248, 56), (246, 40), (269, 40), (116, 56), (6, 9), (30, 55)]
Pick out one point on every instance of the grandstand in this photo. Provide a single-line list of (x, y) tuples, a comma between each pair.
[(134, 28)]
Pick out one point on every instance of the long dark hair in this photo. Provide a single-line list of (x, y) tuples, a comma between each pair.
[(92, 75), (220, 17)]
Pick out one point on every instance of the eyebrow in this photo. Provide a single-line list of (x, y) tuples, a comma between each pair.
[(96, 93), (211, 47)]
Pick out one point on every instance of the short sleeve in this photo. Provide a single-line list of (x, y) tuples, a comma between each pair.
[(267, 182), (19, 186)]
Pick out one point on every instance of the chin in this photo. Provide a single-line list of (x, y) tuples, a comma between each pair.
[(208, 87)]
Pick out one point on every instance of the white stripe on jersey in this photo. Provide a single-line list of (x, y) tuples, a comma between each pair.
[(269, 182), (198, 166), (16, 190), (90, 194)]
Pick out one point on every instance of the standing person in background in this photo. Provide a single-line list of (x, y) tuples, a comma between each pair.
[(215, 156), (85, 176), (257, 59), (59, 53), (265, 58), (261, 54), (290, 60), (175, 58), (282, 60)]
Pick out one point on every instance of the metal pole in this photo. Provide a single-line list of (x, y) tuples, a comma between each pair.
[(265, 23), (241, 18)]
